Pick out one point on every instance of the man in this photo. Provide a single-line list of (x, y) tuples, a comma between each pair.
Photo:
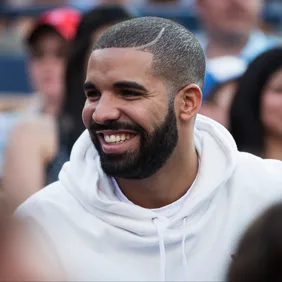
[(232, 28), (151, 192)]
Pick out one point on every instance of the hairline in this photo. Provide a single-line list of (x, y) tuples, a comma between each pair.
[(153, 71)]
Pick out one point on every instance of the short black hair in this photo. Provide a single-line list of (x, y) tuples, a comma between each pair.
[(178, 57)]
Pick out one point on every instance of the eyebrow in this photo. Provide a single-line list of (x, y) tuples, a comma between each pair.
[(118, 85), (129, 85), (89, 86)]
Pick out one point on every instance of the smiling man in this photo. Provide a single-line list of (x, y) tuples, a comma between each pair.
[(152, 191)]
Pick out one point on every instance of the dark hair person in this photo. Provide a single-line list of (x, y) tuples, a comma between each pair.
[(256, 110)]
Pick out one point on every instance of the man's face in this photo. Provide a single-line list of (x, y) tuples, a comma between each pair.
[(230, 16), (129, 113)]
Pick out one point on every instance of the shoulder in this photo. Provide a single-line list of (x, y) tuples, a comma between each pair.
[(267, 168), (258, 176), (48, 205), (38, 132), (36, 125)]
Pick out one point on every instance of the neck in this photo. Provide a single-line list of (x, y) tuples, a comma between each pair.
[(229, 45), (273, 148), (166, 186)]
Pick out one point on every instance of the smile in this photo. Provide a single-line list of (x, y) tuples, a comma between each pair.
[(116, 142), (117, 138)]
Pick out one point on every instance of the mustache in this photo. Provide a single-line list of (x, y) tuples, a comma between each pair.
[(115, 125)]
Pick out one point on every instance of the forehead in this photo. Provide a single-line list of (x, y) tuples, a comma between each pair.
[(48, 38), (276, 77), (119, 64)]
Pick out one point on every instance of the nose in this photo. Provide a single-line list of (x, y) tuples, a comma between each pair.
[(47, 63), (106, 109)]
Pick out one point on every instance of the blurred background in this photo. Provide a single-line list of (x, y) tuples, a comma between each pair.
[(17, 18)]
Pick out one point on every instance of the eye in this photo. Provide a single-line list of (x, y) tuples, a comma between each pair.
[(130, 93), (92, 94), (277, 90), (37, 54)]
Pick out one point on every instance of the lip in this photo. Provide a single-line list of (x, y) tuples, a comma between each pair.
[(117, 148), (113, 132)]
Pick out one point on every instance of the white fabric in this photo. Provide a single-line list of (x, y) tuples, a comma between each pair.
[(166, 211), (99, 238), (226, 68), (162, 249)]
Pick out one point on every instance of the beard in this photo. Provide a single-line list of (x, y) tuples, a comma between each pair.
[(155, 149)]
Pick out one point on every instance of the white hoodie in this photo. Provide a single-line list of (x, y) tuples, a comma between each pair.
[(100, 238)]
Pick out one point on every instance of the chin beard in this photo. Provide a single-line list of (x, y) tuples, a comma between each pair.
[(155, 149)]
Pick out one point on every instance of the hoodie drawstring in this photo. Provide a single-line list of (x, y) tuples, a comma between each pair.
[(162, 250), (163, 254), (184, 258)]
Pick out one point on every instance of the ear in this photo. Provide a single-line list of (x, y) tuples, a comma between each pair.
[(189, 101)]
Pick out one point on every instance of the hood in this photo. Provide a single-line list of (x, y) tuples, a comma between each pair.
[(83, 177)]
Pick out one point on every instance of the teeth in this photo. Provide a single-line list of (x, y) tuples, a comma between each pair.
[(117, 138)]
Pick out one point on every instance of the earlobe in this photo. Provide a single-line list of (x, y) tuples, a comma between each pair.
[(191, 99)]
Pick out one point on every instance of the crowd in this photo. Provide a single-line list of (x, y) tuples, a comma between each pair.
[(159, 149)]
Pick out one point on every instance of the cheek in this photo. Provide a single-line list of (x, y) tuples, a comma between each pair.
[(35, 71), (148, 116), (55, 72), (59, 67), (271, 111), (87, 113)]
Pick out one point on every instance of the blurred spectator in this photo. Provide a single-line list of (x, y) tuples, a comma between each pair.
[(231, 27), (175, 2), (47, 46), (23, 3), (48, 51), (256, 111), (89, 4), (220, 85), (259, 255), (26, 256), (86, 4), (46, 142)]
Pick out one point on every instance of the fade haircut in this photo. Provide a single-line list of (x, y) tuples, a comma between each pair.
[(178, 58)]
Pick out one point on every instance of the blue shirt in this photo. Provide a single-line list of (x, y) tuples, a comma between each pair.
[(257, 43)]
